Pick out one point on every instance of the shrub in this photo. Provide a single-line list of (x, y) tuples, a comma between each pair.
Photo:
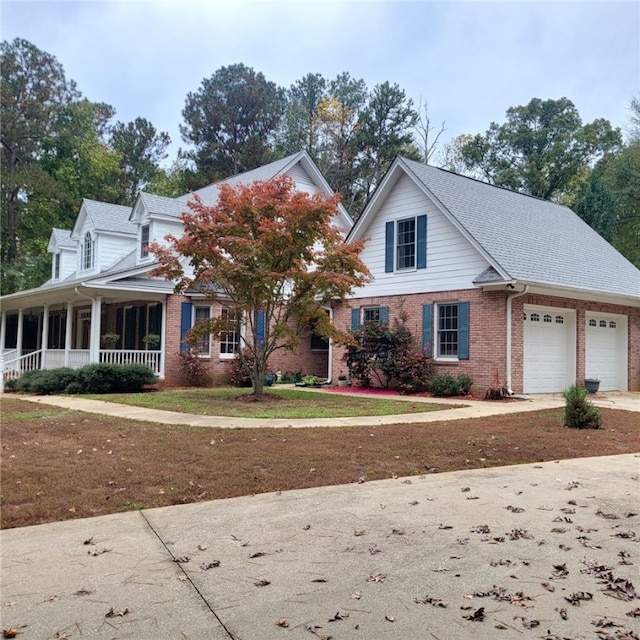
[(387, 355), (44, 381), (444, 385), (113, 378), (579, 413), (193, 370), (241, 367), (92, 378)]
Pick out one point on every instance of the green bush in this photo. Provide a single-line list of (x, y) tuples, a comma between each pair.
[(579, 413), (387, 355), (114, 378), (444, 385), (43, 381), (92, 378)]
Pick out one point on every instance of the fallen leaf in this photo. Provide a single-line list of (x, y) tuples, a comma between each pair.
[(283, 622), (98, 552), (89, 541), (378, 577), (476, 616), (577, 596), (205, 566), (116, 613), (261, 583), (338, 616), (563, 613), (356, 595), (359, 532), (182, 559), (390, 618), (10, 632)]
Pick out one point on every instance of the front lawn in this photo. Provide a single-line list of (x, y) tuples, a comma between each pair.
[(277, 403), (57, 464)]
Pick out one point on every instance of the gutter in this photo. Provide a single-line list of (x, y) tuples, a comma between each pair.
[(509, 341)]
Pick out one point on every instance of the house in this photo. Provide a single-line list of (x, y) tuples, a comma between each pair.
[(515, 291), (102, 305)]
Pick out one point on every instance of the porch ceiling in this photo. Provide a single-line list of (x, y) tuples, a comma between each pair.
[(35, 298)]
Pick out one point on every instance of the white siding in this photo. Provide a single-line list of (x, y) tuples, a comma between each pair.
[(112, 248), (452, 262), (303, 180), (160, 228), (67, 263)]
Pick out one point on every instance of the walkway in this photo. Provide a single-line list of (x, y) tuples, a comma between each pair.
[(469, 409)]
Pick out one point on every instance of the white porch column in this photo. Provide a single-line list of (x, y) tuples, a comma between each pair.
[(44, 341), (3, 331), (163, 341), (20, 332), (94, 334), (67, 334)]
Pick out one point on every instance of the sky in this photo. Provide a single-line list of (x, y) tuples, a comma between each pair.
[(470, 61)]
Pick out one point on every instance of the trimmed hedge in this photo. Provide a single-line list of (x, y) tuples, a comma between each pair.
[(444, 384), (92, 378)]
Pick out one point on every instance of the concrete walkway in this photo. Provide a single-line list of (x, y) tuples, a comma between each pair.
[(460, 410), (511, 552)]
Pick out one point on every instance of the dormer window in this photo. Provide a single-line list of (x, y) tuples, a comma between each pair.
[(56, 266), (87, 252), (144, 241)]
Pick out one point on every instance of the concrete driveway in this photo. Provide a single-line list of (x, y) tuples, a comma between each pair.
[(549, 550)]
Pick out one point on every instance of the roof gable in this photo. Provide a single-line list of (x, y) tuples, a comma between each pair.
[(104, 216), (156, 205), (61, 239), (524, 238)]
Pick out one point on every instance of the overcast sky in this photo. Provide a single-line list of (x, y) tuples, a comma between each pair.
[(470, 60)]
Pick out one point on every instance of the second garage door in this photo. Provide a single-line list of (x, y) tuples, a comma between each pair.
[(606, 350), (549, 349)]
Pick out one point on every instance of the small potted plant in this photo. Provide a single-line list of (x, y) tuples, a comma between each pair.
[(343, 381), (151, 340), (592, 385), (110, 339)]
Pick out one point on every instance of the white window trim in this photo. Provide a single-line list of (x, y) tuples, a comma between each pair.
[(202, 354), (92, 252), (231, 356), (144, 257), (415, 245), (436, 341)]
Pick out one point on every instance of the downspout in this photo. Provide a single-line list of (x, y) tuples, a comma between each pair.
[(330, 353), (509, 321)]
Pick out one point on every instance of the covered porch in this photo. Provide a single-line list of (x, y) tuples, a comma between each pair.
[(79, 325)]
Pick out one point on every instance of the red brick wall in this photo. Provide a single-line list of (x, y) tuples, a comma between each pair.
[(304, 360), (487, 332)]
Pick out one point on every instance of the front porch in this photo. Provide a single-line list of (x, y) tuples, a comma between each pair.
[(74, 334)]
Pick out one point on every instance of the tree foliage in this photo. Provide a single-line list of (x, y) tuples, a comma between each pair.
[(231, 120), (540, 148), (273, 255), (142, 148)]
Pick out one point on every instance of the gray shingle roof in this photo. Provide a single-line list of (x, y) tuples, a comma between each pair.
[(63, 239), (162, 205), (532, 240), (109, 217), (209, 194)]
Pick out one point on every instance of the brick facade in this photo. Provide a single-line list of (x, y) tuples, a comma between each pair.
[(487, 332)]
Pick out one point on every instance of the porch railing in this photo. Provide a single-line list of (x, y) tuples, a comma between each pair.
[(121, 356), (12, 367)]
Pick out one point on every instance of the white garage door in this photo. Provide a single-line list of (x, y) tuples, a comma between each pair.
[(606, 350), (549, 349)]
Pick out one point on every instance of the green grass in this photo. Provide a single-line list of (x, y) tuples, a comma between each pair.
[(279, 403)]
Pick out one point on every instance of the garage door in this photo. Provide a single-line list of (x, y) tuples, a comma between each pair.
[(605, 357), (549, 349)]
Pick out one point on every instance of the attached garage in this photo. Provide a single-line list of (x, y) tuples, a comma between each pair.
[(606, 349), (549, 349)]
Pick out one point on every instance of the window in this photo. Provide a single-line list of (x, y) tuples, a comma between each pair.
[(406, 244), (535, 317), (612, 324), (87, 252), (230, 340), (203, 345), (593, 323), (447, 330), (559, 319), (144, 241), (406, 249), (603, 324), (371, 314), (547, 318), (56, 266)]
